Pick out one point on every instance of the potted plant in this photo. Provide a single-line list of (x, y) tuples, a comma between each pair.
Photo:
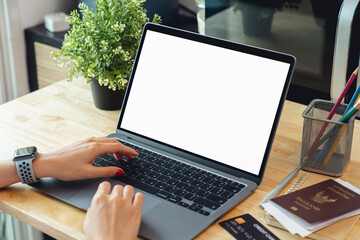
[(102, 44), (258, 14)]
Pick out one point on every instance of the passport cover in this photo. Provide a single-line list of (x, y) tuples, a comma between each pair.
[(320, 202)]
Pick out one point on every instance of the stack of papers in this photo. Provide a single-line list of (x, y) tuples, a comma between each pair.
[(296, 225)]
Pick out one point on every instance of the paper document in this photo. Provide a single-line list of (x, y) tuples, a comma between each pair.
[(293, 226)]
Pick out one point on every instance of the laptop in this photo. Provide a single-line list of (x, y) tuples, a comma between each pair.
[(203, 113)]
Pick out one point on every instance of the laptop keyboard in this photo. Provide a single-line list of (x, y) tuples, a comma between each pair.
[(183, 184)]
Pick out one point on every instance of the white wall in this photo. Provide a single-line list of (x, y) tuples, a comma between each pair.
[(18, 15), (32, 11)]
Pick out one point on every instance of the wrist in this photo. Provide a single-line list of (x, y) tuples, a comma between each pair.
[(42, 166)]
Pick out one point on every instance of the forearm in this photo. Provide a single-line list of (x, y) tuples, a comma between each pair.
[(72, 162), (9, 175)]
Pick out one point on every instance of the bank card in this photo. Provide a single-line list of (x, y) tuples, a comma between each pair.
[(246, 227)]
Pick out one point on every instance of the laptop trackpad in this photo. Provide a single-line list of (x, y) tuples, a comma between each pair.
[(83, 198)]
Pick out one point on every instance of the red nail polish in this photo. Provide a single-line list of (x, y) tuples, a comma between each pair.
[(119, 172), (137, 152)]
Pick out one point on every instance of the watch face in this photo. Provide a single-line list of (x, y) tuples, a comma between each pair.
[(27, 151)]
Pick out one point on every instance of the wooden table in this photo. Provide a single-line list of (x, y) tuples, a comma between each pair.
[(64, 112)]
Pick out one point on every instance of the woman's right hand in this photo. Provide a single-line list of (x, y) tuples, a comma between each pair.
[(115, 215)]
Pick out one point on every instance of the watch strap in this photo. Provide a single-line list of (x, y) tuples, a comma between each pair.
[(25, 171)]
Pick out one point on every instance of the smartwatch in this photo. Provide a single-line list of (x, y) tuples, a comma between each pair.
[(23, 158)]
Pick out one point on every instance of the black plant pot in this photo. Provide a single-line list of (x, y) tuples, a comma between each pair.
[(105, 98)]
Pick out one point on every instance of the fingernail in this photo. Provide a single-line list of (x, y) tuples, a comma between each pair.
[(137, 152), (119, 172)]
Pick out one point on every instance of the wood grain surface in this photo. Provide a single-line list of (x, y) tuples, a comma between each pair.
[(62, 113)]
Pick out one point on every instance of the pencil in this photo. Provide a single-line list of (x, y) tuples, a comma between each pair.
[(331, 114), (330, 146), (344, 119), (351, 112), (355, 97), (334, 145)]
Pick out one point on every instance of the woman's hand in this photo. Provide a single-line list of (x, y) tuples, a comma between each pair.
[(115, 215), (75, 161)]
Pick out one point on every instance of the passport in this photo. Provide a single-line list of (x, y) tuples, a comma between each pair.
[(320, 202)]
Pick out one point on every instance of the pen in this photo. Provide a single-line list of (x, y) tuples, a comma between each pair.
[(280, 187)]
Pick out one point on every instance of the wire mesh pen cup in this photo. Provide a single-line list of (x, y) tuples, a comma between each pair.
[(326, 144)]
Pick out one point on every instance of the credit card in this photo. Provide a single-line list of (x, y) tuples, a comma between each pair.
[(246, 227)]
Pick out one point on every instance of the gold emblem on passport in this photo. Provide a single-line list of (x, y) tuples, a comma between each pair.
[(294, 208), (240, 220), (320, 198)]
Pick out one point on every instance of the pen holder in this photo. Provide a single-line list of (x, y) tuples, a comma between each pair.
[(326, 144)]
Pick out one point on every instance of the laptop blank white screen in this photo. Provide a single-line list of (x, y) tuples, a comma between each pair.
[(208, 100)]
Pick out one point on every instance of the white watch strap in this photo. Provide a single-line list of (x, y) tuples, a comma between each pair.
[(25, 171)]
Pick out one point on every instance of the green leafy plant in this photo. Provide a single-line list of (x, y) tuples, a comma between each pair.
[(102, 43)]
